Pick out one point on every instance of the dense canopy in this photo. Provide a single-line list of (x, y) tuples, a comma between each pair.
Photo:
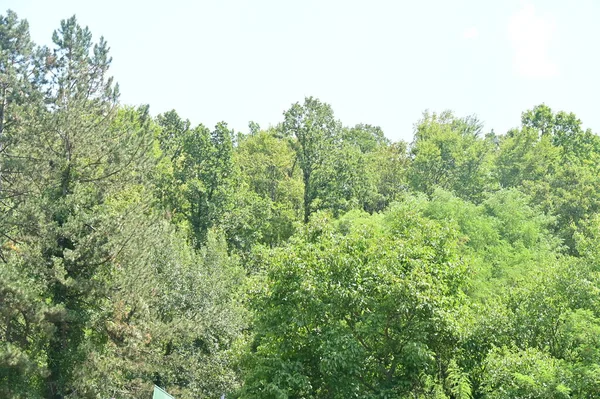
[(309, 259)]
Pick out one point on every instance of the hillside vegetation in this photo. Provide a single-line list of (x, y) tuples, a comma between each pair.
[(307, 260)]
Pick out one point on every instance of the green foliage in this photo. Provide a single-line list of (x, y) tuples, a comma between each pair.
[(268, 198), (361, 309), (102, 297), (366, 137), (554, 161), (316, 130), (386, 169), (458, 382), (310, 260), (524, 374), (342, 183), (176, 324), (195, 175), (448, 152)]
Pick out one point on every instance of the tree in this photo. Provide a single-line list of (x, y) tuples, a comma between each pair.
[(194, 180), (387, 166), (80, 154), (343, 181), (361, 307), (524, 374), (366, 137), (552, 159), (174, 320), (17, 64), (172, 132), (448, 152), (19, 97), (205, 169), (268, 198), (316, 130)]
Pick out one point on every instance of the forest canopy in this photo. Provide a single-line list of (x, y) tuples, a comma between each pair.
[(309, 259)]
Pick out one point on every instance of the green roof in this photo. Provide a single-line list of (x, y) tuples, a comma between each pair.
[(160, 393)]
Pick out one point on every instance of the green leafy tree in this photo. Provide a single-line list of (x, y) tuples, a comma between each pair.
[(206, 170), (268, 198), (524, 158), (195, 174), (524, 374), (366, 137), (316, 130), (449, 152), (342, 182), (175, 319), (554, 161), (359, 308), (387, 169), (172, 133)]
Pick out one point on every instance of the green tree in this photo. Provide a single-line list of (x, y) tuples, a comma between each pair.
[(172, 133), (78, 159), (194, 180), (524, 158), (174, 319), (19, 72), (387, 168), (342, 182), (360, 308), (316, 131), (20, 75), (553, 160), (366, 137), (449, 152), (268, 198), (524, 374)]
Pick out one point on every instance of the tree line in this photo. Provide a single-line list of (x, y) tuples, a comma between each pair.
[(309, 259)]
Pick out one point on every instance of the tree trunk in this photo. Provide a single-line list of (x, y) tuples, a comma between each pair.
[(307, 197)]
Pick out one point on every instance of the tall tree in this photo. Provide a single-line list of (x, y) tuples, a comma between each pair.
[(21, 317), (172, 132), (195, 174), (81, 154), (17, 68), (342, 182), (554, 160), (268, 198), (205, 168), (20, 75), (316, 130), (366, 137)]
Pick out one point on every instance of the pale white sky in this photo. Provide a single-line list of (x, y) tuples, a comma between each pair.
[(378, 62)]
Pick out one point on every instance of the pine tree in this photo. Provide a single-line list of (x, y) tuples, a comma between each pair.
[(79, 160), (21, 316), (19, 81)]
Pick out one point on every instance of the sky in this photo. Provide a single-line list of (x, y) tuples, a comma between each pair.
[(378, 62)]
